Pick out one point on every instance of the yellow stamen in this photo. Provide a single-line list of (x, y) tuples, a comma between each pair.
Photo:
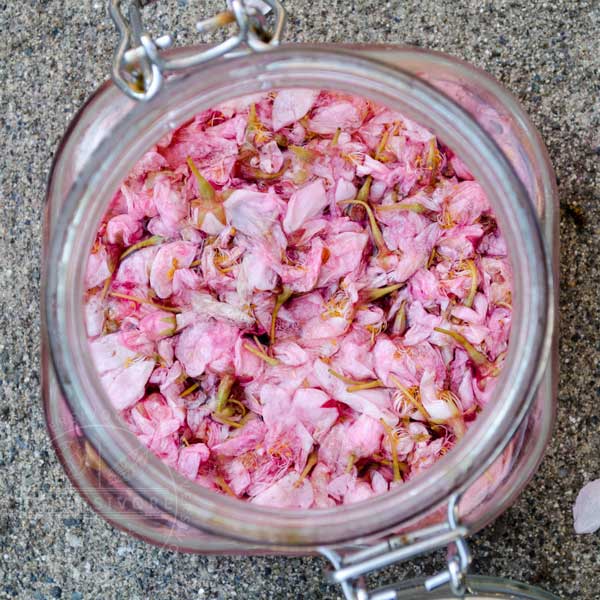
[(377, 235), (382, 144), (341, 377), (139, 300), (174, 267), (367, 385), (433, 160), (273, 362), (411, 398), (185, 442), (304, 154), (431, 258), (475, 355), (372, 294), (225, 421), (336, 137), (474, 282), (351, 461), (105, 287), (394, 450), (255, 127), (189, 390), (374, 330), (400, 319), (310, 463), (408, 206), (224, 486), (151, 241), (381, 460), (238, 403), (282, 298)]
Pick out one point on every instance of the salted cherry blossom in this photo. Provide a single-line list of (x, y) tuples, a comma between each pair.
[(300, 299)]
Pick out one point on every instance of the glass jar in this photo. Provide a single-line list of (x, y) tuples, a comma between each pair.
[(132, 488)]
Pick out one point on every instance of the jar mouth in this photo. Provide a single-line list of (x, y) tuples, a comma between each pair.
[(191, 93)]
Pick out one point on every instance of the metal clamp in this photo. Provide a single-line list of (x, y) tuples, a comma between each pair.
[(139, 65), (350, 569)]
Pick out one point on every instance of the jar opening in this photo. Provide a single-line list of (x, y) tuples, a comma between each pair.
[(286, 68)]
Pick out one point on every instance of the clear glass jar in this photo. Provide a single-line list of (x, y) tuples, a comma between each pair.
[(471, 114)]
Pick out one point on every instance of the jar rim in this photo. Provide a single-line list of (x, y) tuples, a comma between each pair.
[(295, 67)]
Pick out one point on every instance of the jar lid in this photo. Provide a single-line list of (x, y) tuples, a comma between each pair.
[(482, 588)]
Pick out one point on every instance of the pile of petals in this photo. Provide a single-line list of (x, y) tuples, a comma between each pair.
[(299, 298)]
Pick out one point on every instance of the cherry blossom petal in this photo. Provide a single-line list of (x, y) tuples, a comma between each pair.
[(306, 203), (586, 511), (291, 105)]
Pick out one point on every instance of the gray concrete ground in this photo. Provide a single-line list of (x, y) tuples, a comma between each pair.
[(53, 54)]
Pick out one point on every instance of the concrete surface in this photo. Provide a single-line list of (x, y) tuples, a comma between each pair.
[(52, 55)]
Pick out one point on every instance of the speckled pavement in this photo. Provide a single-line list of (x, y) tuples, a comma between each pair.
[(52, 55)]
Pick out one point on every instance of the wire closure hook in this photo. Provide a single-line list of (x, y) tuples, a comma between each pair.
[(349, 570), (139, 66)]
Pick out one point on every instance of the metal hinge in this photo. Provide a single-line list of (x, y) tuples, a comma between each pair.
[(139, 65), (350, 569)]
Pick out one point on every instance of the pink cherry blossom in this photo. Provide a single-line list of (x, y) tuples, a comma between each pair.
[(190, 459), (291, 105), (169, 258), (586, 511), (302, 299), (304, 204)]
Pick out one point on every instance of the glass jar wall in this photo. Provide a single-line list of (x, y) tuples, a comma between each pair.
[(484, 126)]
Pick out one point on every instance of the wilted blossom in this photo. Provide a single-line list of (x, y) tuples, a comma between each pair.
[(301, 299)]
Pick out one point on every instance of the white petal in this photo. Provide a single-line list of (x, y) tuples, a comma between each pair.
[(586, 511)]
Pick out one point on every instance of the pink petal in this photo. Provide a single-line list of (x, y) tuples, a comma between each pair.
[(435, 407), (98, 268), (168, 259), (245, 439), (151, 161), (126, 385), (364, 436), (346, 252), (319, 480), (124, 230), (339, 114), (307, 406), (190, 459), (109, 353), (291, 105), (135, 268), (290, 353), (158, 324), (586, 511), (207, 344), (252, 213), (288, 492), (304, 204), (94, 315)]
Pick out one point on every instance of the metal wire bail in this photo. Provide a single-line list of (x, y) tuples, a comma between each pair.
[(349, 570), (139, 66)]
